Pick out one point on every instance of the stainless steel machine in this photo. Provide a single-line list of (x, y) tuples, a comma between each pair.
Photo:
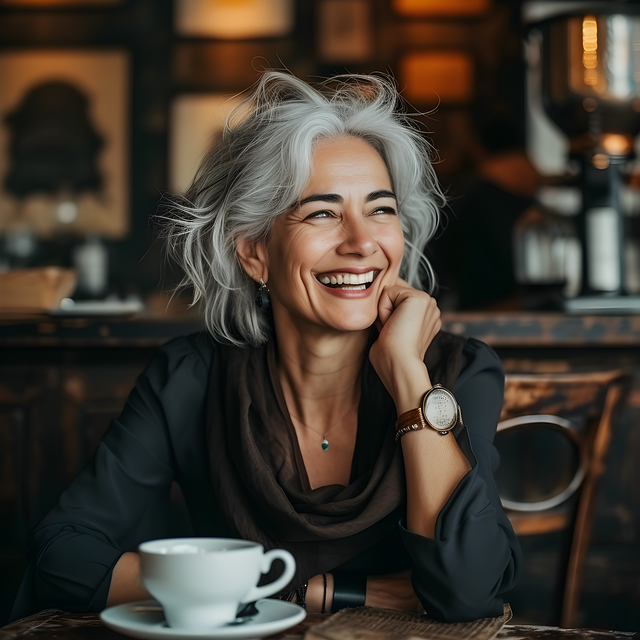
[(587, 61)]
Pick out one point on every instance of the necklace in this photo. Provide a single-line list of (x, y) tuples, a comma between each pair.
[(325, 442)]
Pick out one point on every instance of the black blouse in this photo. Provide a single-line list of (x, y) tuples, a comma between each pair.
[(461, 574)]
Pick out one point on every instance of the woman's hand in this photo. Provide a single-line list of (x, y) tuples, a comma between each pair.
[(408, 321), (393, 591)]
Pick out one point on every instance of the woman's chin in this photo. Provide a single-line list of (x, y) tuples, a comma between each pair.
[(359, 322)]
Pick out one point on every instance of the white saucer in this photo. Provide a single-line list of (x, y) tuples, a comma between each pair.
[(146, 620)]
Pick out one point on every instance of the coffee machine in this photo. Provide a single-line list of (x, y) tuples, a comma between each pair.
[(585, 59)]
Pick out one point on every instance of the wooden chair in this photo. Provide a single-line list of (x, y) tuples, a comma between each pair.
[(579, 406)]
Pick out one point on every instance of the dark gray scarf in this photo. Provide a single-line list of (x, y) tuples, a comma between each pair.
[(259, 475)]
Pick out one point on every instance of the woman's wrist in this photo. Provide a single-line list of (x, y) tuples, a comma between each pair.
[(405, 377), (409, 386), (317, 593)]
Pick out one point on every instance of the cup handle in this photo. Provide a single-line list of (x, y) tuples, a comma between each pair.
[(273, 587)]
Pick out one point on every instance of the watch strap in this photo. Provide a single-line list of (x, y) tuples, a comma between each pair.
[(412, 420)]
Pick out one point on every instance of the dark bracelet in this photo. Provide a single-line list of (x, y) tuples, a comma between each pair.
[(301, 595), (324, 594), (349, 591)]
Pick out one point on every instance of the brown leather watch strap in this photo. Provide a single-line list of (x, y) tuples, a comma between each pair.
[(412, 420)]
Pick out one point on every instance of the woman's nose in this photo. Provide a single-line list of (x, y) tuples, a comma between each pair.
[(357, 238)]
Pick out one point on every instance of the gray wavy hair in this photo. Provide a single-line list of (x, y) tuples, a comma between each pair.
[(260, 165)]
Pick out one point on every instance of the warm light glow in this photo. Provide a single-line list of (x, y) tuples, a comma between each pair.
[(600, 161), (429, 77), (590, 50), (616, 144), (234, 19), (415, 8), (589, 34)]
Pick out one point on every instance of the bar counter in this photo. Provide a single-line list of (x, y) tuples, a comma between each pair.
[(154, 327), (528, 329)]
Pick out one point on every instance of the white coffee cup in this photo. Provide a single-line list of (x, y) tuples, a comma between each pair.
[(201, 581)]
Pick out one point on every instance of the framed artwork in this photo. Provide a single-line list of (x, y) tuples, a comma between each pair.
[(344, 31), (54, 4), (433, 77), (233, 19), (195, 120), (223, 66), (64, 141), (437, 8)]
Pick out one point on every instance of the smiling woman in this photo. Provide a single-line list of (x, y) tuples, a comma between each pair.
[(270, 157), (346, 227), (327, 422)]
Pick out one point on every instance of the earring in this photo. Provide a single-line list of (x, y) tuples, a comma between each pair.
[(263, 301)]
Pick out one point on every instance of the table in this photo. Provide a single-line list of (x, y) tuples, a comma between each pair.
[(87, 626)]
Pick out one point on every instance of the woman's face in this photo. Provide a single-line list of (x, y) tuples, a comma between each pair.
[(329, 259)]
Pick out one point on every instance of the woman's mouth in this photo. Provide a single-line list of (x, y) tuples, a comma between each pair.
[(348, 281)]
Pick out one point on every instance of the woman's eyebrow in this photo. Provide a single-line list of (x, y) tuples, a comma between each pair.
[(336, 198), (323, 197), (381, 193)]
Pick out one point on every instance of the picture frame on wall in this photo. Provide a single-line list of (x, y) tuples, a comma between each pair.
[(196, 120), (345, 29), (64, 142)]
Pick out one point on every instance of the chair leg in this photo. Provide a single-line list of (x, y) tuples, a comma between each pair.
[(584, 516)]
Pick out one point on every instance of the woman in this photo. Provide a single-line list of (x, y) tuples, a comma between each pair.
[(300, 235)]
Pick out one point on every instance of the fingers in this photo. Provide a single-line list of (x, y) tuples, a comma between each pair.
[(396, 294), (408, 319), (391, 298), (385, 307)]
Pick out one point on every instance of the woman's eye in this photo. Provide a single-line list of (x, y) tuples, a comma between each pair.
[(380, 210), (319, 214)]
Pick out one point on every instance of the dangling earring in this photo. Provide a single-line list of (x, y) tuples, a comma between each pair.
[(263, 301)]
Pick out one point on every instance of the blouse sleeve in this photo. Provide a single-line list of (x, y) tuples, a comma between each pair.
[(98, 516), (474, 558)]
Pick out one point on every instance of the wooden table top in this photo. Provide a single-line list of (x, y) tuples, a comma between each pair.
[(87, 626)]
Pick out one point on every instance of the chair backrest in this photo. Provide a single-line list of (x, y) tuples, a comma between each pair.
[(560, 394), (580, 406), (577, 405), (567, 429)]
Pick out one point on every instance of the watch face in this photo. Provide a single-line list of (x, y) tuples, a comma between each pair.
[(441, 409)]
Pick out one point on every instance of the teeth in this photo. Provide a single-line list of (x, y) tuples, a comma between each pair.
[(347, 278)]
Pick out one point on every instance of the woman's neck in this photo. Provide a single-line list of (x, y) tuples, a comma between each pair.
[(319, 371)]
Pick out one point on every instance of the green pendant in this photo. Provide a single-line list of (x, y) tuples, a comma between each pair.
[(325, 444)]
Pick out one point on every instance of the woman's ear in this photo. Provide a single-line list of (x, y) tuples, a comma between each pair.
[(253, 258)]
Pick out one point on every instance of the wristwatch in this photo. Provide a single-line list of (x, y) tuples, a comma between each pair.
[(439, 410)]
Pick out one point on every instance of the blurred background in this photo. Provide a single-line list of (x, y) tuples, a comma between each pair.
[(534, 110)]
